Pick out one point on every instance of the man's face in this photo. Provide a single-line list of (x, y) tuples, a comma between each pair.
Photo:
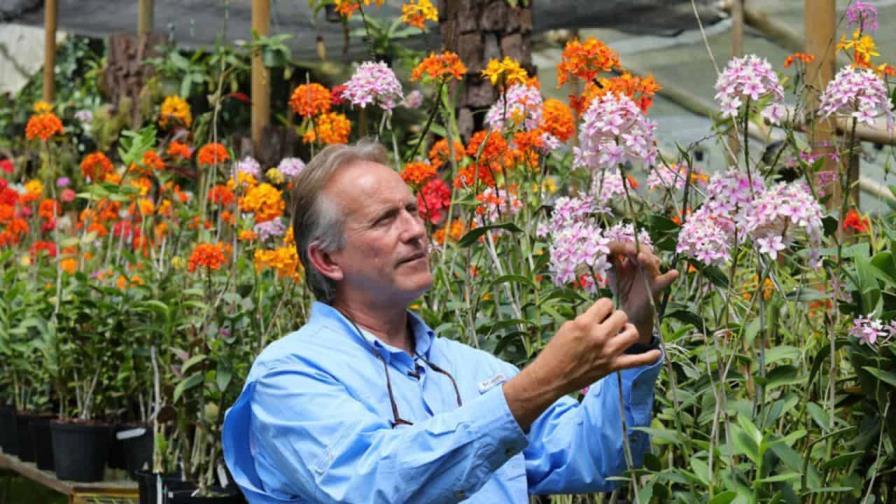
[(386, 253)]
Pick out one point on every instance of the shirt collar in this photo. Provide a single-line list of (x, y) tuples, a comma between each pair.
[(423, 334)]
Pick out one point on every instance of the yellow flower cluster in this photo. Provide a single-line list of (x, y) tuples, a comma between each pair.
[(175, 112), (265, 201), (863, 48), (417, 13), (283, 260), (505, 73)]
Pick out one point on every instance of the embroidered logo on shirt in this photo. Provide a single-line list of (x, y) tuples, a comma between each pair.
[(486, 385)]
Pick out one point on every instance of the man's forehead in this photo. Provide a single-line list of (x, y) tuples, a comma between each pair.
[(366, 184)]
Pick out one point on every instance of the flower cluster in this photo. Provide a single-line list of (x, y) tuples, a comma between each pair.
[(418, 173), (625, 233), (673, 177), (329, 128), (265, 201), (207, 255), (271, 229), (373, 84), (291, 166), (283, 260), (417, 13), (520, 107), (212, 154), (557, 120), (433, 200), (858, 93), (309, 100), (867, 330), (96, 166), (175, 112), (496, 205), (446, 65), (248, 165), (585, 60), (579, 252), (440, 153), (862, 46), (776, 216), (43, 126), (862, 15), (504, 73), (613, 131), (750, 79)]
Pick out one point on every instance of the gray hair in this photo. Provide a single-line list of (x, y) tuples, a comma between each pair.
[(316, 218)]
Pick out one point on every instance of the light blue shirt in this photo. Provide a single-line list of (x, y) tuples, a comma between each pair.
[(313, 424)]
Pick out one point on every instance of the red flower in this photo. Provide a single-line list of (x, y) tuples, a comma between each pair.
[(855, 222), (336, 94), (243, 97), (432, 199), (44, 246), (6, 165)]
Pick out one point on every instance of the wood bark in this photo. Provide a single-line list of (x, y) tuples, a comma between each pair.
[(127, 72), (480, 30)]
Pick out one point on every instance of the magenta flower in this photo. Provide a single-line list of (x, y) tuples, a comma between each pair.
[(750, 78), (859, 94), (273, 228), (373, 83), (782, 214), (625, 233), (523, 109), (248, 165), (705, 236), (868, 330), (496, 205), (579, 249), (862, 16), (614, 131)]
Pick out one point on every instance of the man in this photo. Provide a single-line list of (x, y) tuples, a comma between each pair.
[(365, 404)]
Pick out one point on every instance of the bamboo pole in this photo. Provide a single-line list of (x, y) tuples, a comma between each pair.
[(145, 20), (261, 82), (820, 21), (50, 13)]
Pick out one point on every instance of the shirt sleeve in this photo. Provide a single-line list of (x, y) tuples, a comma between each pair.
[(314, 441), (574, 447)]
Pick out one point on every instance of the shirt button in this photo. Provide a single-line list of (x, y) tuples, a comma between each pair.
[(460, 494)]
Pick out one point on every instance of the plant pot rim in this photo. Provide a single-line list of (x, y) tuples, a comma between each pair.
[(74, 422)]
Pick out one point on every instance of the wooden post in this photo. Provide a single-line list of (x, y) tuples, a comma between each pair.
[(820, 26), (50, 11), (737, 50), (144, 17), (261, 82)]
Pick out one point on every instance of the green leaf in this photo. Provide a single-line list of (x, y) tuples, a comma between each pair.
[(474, 234), (819, 415), (841, 460), (662, 436), (882, 374), (779, 477), (782, 375), (701, 469), (723, 498), (223, 377), (192, 361), (190, 382)]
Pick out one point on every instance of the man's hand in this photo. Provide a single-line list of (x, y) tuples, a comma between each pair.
[(583, 351), (636, 279)]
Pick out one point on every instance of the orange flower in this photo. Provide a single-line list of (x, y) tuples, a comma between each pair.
[(439, 153), (247, 235), (417, 173), (329, 128), (151, 163), (348, 7), (33, 191), (311, 99), (557, 120), (468, 176), (494, 152), (640, 89), (856, 222), (885, 69), (69, 265), (48, 209), (96, 166), (265, 201), (585, 60), (212, 154), (283, 260), (207, 255), (416, 14), (179, 150), (798, 57), (446, 65), (43, 126), (455, 233), (221, 195)]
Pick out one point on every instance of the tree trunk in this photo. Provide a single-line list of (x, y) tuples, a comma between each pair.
[(126, 72), (478, 31)]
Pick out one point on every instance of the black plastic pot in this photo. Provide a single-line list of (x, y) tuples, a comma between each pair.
[(229, 496), (146, 485), (8, 430), (116, 451), (80, 450), (25, 445), (137, 447), (42, 442)]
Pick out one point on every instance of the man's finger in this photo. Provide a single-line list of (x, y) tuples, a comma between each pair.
[(624, 248), (615, 322), (663, 281), (624, 339), (628, 361), (599, 311)]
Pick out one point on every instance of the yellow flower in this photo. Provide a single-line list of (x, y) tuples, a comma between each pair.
[(178, 262), (147, 207), (416, 14), (863, 47), (505, 72), (275, 176), (283, 260), (243, 179), (42, 107), (265, 201), (34, 188), (175, 111)]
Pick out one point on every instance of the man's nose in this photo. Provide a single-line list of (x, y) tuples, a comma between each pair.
[(412, 226)]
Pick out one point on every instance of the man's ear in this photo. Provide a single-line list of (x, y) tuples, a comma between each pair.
[(323, 262)]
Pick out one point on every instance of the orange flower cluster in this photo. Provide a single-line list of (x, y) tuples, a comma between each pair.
[(212, 154), (15, 227), (490, 149), (175, 112), (557, 119), (455, 233), (585, 60), (470, 174), (329, 128), (283, 260), (348, 7), (418, 173), (96, 166), (43, 126), (265, 201), (416, 14), (439, 154), (856, 222), (310, 100), (179, 150), (446, 65), (800, 57), (207, 255), (221, 195), (151, 163)]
